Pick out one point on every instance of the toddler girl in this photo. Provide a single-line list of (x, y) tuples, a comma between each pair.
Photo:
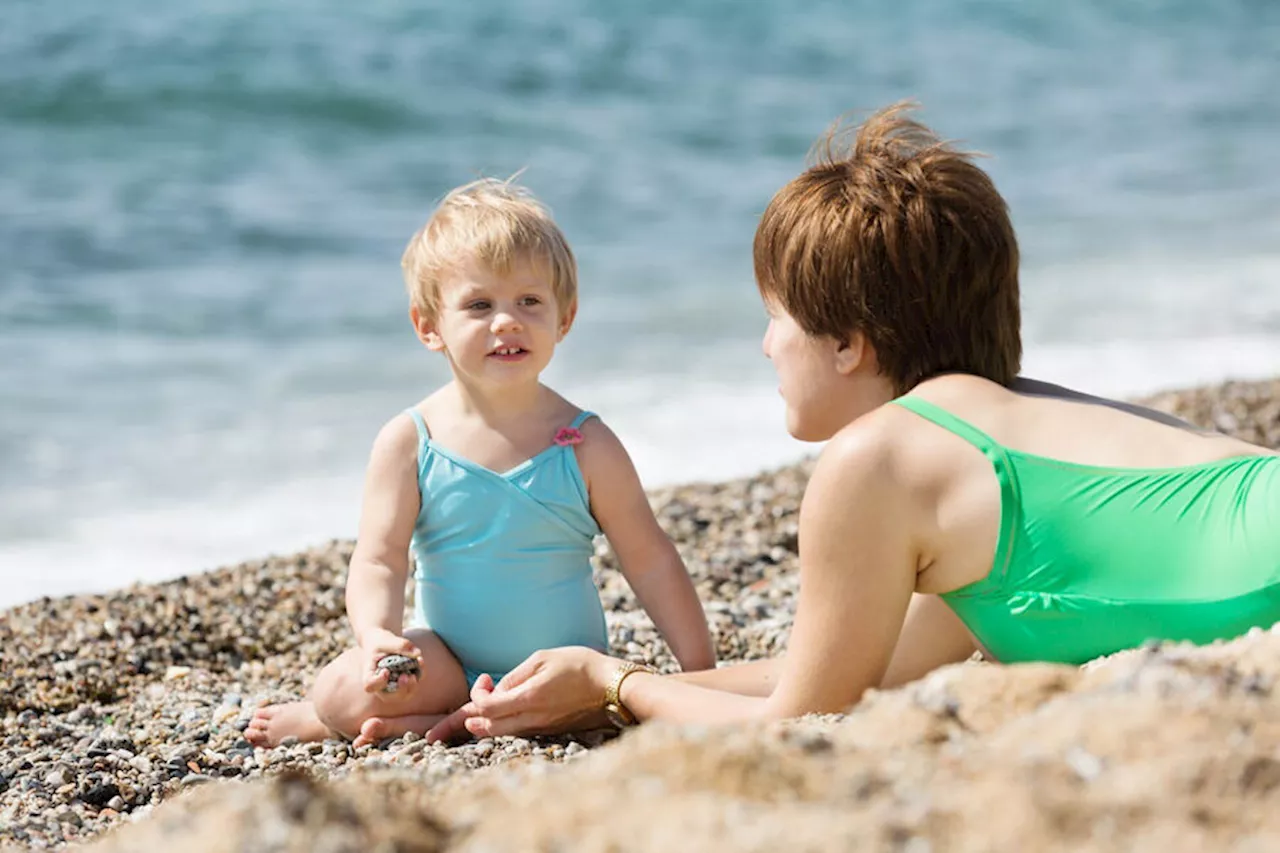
[(497, 485)]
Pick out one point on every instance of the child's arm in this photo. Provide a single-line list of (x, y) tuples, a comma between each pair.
[(649, 560), (380, 563)]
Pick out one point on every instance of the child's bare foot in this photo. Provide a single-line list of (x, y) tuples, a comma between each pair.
[(273, 723), (380, 728)]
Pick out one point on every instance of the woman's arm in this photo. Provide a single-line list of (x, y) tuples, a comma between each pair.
[(560, 690), (932, 636), (753, 678), (857, 574), (648, 559)]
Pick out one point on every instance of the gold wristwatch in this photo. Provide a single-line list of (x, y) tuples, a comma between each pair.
[(617, 712)]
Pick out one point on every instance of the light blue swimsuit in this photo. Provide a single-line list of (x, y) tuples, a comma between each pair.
[(503, 560)]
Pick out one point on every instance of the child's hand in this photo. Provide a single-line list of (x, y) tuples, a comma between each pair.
[(374, 647)]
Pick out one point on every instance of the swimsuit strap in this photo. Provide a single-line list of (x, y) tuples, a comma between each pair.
[(423, 434), (951, 423), (1010, 490), (581, 419)]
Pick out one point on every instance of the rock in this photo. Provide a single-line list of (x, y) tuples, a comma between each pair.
[(100, 795), (396, 666)]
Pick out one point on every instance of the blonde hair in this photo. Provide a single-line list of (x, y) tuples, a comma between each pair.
[(900, 236), (496, 223)]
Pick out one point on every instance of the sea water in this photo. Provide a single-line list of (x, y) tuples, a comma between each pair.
[(203, 206)]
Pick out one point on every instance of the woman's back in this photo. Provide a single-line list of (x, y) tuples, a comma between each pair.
[(1057, 423), (1047, 510)]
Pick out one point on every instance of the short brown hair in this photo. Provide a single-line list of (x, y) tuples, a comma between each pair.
[(899, 236), (493, 222)]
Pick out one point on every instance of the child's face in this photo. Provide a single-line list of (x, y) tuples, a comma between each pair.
[(496, 328), (809, 378)]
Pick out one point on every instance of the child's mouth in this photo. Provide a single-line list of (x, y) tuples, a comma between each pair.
[(509, 353)]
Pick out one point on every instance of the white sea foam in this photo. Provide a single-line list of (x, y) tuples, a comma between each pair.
[(1122, 368)]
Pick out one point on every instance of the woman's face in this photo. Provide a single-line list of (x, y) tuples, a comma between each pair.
[(808, 379)]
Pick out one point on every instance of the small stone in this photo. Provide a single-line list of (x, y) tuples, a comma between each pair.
[(414, 747), (396, 666), (101, 795)]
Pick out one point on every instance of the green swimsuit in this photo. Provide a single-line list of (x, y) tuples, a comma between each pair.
[(1092, 560)]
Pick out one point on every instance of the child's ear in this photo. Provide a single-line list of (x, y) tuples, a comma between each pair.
[(566, 320), (425, 329), (851, 352)]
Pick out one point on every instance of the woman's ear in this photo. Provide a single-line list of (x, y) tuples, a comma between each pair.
[(425, 329), (852, 353)]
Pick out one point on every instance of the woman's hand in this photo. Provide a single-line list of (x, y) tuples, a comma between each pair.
[(553, 691), (377, 644)]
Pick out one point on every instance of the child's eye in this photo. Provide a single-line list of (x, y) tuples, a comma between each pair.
[(531, 300), (478, 305)]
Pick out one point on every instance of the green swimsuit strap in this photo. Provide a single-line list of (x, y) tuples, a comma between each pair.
[(1010, 496), (951, 423)]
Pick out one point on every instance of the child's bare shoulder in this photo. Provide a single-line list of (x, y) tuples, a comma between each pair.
[(398, 439), (601, 453), (597, 433), (400, 434)]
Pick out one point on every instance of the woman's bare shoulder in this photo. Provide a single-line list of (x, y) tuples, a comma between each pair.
[(874, 448)]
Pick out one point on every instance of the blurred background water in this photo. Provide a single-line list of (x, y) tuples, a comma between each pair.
[(203, 205)]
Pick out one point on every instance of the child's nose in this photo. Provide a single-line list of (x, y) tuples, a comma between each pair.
[(505, 321)]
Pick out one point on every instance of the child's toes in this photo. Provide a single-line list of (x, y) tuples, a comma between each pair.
[(373, 730)]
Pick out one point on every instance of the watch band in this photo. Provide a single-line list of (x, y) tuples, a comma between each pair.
[(614, 708)]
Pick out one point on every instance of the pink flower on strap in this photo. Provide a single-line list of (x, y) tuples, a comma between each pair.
[(568, 436)]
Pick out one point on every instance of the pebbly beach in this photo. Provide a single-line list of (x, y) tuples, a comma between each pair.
[(122, 719)]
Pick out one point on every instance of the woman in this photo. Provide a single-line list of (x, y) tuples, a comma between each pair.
[(955, 506)]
